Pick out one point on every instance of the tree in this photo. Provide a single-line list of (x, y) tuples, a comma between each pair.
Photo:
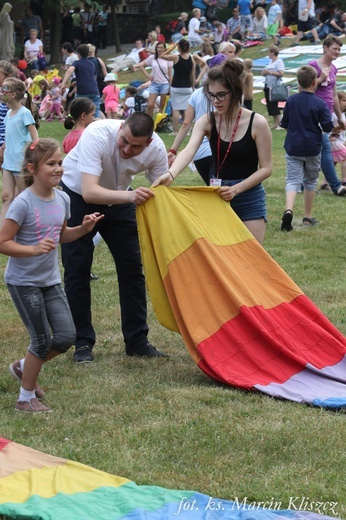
[(113, 4), (55, 32)]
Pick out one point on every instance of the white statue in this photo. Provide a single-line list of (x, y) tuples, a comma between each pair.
[(7, 46)]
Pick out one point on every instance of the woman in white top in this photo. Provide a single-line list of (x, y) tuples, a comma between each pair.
[(32, 48), (273, 71), (160, 77), (259, 24), (151, 42)]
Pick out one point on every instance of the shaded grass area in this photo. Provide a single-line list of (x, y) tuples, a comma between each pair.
[(162, 422)]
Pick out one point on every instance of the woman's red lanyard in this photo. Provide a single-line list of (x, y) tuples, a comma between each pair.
[(219, 166)]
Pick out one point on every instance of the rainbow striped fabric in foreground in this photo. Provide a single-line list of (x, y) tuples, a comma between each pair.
[(37, 486), (243, 320)]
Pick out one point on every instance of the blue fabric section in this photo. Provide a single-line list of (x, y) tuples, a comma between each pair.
[(333, 402), (131, 502), (204, 507)]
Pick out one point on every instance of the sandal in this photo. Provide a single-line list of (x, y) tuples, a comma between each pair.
[(309, 221), (286, 221), (325, 187)]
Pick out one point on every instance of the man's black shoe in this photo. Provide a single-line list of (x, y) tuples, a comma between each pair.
[(83, 355), (148, 351)]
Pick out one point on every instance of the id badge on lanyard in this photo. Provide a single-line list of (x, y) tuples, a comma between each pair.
[(215, 182)]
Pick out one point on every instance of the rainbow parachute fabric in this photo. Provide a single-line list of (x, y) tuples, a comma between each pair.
[(37, 486), (243, 320)]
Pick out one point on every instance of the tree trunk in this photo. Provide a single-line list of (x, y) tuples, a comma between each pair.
[(113, 3), (55, 32)]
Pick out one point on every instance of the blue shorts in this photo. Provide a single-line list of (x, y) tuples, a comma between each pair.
[(249, 205), (159, 88)]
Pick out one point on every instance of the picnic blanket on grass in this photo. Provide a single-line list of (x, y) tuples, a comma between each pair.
[(36, 486), (243, 320)]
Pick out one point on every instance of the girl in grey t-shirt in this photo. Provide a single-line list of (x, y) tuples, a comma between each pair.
[(33, 227)]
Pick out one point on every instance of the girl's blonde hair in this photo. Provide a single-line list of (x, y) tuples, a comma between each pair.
[(153, 36), (8, 69), (341, 95), (17, 86), (36, 153), (258, 11)]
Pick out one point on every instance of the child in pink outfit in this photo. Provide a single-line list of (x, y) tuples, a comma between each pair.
[(111, 94), (45, 106), (56, 108)]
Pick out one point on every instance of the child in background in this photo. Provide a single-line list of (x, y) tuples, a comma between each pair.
[(15, 63), (19, 130), (64, 93), (110, 96), (128, 106), (28, 102), (248, 83), (30, 234), (43, 86), (45, 106), (56, 109), (32, 83), (70, 96), (81, 114), (337, 138), (303, 117), (6, 71)]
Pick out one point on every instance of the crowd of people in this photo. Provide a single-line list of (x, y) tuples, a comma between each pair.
[(230, 145)]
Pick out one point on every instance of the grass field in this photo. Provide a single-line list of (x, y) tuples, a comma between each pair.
[(162, 422)]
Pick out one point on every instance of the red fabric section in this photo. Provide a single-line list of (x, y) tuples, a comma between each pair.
[(3, 443), (262, 346)]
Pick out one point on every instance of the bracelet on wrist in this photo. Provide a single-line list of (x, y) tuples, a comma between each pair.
[(171, 174), (171, 150)]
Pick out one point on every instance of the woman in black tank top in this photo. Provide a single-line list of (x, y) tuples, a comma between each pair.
[(240, 141), (183, 79)]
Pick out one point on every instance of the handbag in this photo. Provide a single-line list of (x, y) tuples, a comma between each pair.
[(278, 92), (42, 64), (143, 55)]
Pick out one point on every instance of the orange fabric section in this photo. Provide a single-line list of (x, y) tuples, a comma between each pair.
[(15, 457), (211, 283)]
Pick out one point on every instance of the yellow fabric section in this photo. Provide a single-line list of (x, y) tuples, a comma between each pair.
[(70, 478), (170, 223)]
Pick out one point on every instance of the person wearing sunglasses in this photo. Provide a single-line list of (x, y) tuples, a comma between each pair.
[(240, 142), (233, 25)]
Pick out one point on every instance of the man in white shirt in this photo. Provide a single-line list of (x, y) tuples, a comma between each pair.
[(97, 174), (123, 62), (70, 57)]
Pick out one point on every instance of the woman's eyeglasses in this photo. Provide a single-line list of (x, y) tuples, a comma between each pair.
[(5, 89), (220, 96)]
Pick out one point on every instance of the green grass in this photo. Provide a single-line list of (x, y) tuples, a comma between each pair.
[(163, 422)]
